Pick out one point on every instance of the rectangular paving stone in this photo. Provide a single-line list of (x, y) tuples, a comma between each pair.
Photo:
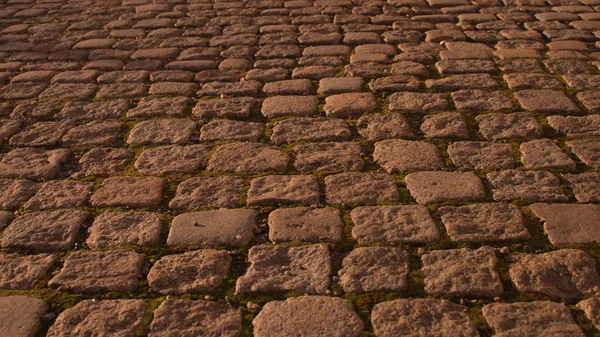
[(418, 102), (422, 317), (328, 157), (233, 107), (473, 155), (15, 192), (103, 162), (223, 227), (310, 129), (171, 159), (129, 191), (576, 126), (445, 125), (203, 318), (92, 317), (248, 158), (569, 223), (33, 163), (508, 185), (303, 269), (397, 155), (120, 229), (367, 269), (60, 194), (565, 273), (545, 101), (191, 272), (223, 129), (585, 186), (488, 222), (206, 192), (44, 231), (357, 187), (544, 153), (382, 126), (531, 319), (496, 126), (21, 316), (305, 224), (462, 272), (23, 271), (283, 189), (279, 106), (162, 131), (348, 105), (407, 224), (99, 272), (438, 187)]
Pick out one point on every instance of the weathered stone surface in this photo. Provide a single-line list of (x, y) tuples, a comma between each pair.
[(408, 224), (34, 163), (396, 155), (418, 102), (471, 155), (103, 162), (588, 151), (98, 272), (351, 188), (195, 318), (171, 159), (98, 133), (162, 131), (565, 273), (349, 104), (248, 158), (223, 129), (196, 271), (278, 106), (91, 317), (481, 100), (445, 125), (119, 229), (544, 153), (155, 107), (60, 194), (223, 227), (328, 157), (306, 224), (44, 231), (303, 269), (368, 269), (591, 308), (585, 186), (569, 223), (234, 107), (545, 101), (205, 192), (416, 317), (538, 318), (283, 189), (437, 187), (45, 134), (496, 126), (310, 129), (462, 272), (510, 185), (382, 126), (328, 316), (23, 271), (15, 192), (575, 126), (129, 191), (484, 223), (21, 316)]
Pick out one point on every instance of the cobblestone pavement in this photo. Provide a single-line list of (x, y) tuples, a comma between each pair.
[(299, 168)]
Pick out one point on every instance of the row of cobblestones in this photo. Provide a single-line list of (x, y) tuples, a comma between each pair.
[(299, 168)]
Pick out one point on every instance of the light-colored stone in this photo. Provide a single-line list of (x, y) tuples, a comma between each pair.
[(308, 316), (33, 163), (544, 154), (223, 227), (306, 224), (591, 308), (23, 271), (508, 185), (531, 319), (462, 272), (21, 316), (397, 155), (129, 191), (100, 318), (282, 189), (304, 269), (565, 273), (367, 269), (484, 223), (195, 318), (352, 188), (248, 158), (60, 194), (205, 192), (569, 223), (438, 187), (408, 224), (191, 272), (15, 192), (586, 186), (417, 317), (119, 229), (382, 126), (328, 157), (171, 159), (470, 155)]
